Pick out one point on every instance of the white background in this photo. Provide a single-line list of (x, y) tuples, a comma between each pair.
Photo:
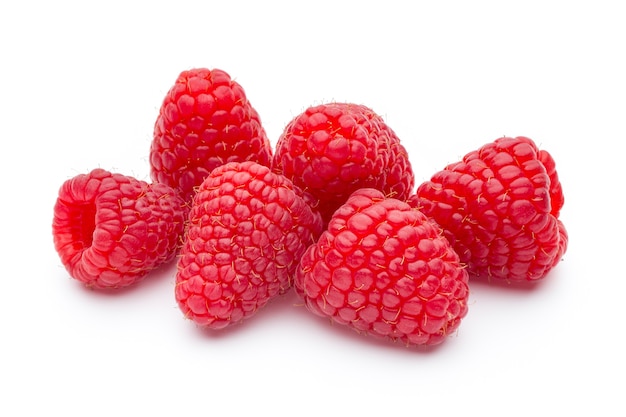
[(80, 87)]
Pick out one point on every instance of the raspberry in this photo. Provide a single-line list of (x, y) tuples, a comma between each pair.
[(248, 228), (383, 268), (110, 230), (205, 120), (499, 207), (332, 150)]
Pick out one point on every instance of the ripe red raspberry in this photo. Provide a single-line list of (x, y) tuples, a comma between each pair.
[(205, 120), (332, 150), (110, 230), (248, 228), (499, 207), (383, 268)]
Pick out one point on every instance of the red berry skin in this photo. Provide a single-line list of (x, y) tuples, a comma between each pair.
[(332, 150), (499, 207), (384, 269), (205, 120), (247, 230), (110, 230)]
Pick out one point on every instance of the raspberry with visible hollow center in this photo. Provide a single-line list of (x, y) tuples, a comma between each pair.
[(110, 230)]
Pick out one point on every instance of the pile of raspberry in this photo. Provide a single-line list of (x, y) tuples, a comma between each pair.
[(331, 213)]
